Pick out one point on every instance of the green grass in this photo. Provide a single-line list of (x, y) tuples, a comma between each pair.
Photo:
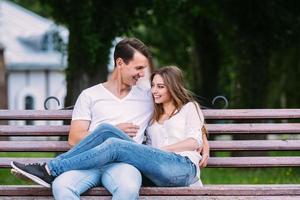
[(286, 175), (6, 178), (250, 176)]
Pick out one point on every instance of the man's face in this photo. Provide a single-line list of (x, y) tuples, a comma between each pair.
[(134, 69)]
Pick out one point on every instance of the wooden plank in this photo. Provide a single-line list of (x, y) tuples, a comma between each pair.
[(34, 146), (208, 190), (251, 113), (283, 161), (60, 130), (35, 114), (8, 130), (255, 145), (164, 198), (209, 114), (273, 128), (232, 145)]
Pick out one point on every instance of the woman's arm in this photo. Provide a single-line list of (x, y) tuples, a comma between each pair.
[(189, 144)]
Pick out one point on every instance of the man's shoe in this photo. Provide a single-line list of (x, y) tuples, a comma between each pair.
[(19, 175), (36, 172)]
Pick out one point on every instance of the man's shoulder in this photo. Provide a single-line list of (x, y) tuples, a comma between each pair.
[(91, 90)]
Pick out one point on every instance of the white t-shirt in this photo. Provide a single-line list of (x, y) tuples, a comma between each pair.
[(99, 105), (187, 123)]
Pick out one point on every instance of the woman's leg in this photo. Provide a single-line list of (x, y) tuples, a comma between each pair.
[(98, 136), (163, 168)]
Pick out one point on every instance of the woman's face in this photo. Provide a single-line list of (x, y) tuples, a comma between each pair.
[(159, 90)]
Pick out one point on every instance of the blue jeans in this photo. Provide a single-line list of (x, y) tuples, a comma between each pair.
[(162, 168), (121, 179)]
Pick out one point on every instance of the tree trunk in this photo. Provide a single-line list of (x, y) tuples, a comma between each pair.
[(207, 52)]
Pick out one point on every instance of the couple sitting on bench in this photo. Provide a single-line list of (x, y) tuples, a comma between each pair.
[(107, 131)]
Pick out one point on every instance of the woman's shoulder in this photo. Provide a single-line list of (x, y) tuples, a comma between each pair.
[(192, 105)]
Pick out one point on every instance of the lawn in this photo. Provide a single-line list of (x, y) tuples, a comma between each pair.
[(6, 178), (286, 175)]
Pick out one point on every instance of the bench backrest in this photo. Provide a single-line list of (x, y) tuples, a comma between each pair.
[(283, 123)]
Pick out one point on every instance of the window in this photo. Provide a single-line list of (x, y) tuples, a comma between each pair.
[(29, 105)]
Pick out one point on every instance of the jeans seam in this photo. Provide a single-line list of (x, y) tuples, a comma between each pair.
[(112, 179), (85, 178)]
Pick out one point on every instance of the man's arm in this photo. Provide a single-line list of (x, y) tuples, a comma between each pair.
[(78, 130), (129, 128), (189, 144), (204, 151)]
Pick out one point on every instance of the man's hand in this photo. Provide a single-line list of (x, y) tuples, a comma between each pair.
[(204, 151), (129, 128), (205, 155)]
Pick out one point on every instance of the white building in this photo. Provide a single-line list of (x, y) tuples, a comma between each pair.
[(34, 58)]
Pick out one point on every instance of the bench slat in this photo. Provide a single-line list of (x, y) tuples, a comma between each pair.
[(209, 114), (35, 114), (277, 128), (51, 130), (283, 161), (231, 145), (207, 190), (43, 130), (251, 113), (255, 145)]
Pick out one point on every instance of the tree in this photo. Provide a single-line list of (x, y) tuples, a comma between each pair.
[(93, 25)]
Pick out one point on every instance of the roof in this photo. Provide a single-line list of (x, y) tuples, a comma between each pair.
[(28, 39)]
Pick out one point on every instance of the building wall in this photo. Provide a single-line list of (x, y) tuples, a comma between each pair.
[(37, 84)]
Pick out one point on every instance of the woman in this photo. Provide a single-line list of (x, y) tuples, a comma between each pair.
[(175, 134)]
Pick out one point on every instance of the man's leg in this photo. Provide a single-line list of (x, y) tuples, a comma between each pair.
[(69, 185), (122, 180)]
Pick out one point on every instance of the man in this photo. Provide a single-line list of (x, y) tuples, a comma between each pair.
[(118, 102)]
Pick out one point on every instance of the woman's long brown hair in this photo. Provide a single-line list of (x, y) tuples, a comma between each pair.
[(173, 80)]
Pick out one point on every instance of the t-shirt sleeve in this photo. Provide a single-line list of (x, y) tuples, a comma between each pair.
[(82, 108), (194, 122)]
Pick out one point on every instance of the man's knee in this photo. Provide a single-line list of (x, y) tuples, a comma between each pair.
[(71, 184), (122, 180), (62, 188)]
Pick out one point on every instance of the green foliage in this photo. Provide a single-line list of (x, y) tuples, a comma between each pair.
[(245, 50), (93, 25), (35, 6)]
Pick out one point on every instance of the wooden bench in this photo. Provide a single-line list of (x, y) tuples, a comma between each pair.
[(219, 122)]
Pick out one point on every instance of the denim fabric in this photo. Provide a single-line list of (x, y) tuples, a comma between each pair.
[(121, 179), (162, 168)]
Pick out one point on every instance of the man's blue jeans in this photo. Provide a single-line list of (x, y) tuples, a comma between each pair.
[(121, 179), (112, 145)]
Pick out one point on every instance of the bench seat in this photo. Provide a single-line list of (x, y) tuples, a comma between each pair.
[(283, 123)]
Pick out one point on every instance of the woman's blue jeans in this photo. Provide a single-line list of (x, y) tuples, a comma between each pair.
[(111, 145)]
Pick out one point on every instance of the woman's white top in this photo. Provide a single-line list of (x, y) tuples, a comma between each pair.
[(187, 123)]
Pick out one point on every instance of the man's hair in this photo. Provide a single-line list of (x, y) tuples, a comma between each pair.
[(125, 49)]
